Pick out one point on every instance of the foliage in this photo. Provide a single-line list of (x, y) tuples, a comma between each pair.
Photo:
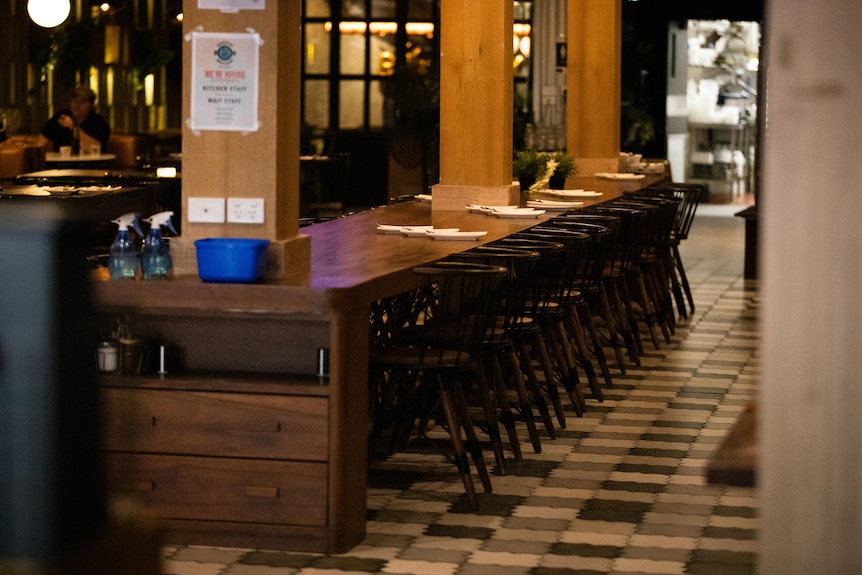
[(67, 49), (565, 164), (528, 164)]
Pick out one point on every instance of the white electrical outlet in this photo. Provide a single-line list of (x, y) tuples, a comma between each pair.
[(245, 210), (209, 210)]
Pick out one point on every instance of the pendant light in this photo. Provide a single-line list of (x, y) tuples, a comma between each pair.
[(48, 13)]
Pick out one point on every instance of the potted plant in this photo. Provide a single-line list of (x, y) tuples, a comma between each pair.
[(565, 167), (528, 166)]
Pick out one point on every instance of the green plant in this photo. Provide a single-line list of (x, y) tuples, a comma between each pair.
[(565, 164), (529, 164)]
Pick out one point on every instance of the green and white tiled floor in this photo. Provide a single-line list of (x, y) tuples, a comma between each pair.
[(621, 490)]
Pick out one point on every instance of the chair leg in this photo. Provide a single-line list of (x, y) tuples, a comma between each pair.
[(576, 328), (526, 352), (472, 443), (683, 279), (489, 407), (506, 414), (568, 370), (586, 317), (450, 415), (525, 403), (607, 313)]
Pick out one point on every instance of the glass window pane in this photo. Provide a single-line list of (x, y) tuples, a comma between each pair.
[(382, 55), (383, 8), (420, 55), (317, 9), (375, 104), (353, 9), (317, 103), (352, 53), (316, 49), (351, 105), (420, 9)]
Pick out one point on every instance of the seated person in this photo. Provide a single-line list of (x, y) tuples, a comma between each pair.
[(80, 118)]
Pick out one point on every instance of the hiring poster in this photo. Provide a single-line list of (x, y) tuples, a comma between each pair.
[(224, 81)]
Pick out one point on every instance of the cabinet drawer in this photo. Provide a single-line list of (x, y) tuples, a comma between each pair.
[(215, 423), (213, 489)]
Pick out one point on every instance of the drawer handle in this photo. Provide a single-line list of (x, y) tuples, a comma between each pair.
[(264, 427), (258, 491)]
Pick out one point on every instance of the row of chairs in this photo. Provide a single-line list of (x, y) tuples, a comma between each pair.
[(503, 333)]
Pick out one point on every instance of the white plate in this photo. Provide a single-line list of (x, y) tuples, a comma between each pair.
[(489, 209), (423, 197), (444, 235), (619, 176), (520, 213), (423, 231), (552, 206), (573, 193), (385, 229)]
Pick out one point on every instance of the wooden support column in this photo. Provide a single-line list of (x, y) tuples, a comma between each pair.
[(257, 164), (476, 83), (593, 84)]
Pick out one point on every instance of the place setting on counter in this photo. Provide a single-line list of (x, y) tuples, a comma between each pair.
[(429, 232)]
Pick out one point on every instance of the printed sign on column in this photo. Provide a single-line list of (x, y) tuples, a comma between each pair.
[(224, 81)]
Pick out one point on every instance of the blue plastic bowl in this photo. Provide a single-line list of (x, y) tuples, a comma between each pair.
[(231, 260)]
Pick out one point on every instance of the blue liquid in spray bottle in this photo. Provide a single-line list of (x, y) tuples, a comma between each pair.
[(156, 257), (123, 257)]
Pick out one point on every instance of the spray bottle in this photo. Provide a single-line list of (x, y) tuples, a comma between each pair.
[(123, 257), (156, 257)]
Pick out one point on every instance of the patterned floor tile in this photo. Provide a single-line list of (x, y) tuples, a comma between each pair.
[(622, 491)]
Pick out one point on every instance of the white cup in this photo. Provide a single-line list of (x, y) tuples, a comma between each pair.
[(65, 151), (94, 149)]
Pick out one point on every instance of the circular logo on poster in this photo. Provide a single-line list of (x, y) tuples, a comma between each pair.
[(225, 53)]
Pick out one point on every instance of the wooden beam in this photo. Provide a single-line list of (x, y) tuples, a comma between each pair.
[(476, 83), (593, 83)]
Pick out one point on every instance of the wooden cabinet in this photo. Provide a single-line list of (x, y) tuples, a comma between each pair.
[(240, 444), (246, 456)]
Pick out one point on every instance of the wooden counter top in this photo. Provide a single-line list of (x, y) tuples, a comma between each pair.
[(351, 263)]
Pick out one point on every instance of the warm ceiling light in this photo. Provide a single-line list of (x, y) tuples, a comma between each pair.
[(420, 28), (48, 13), (104, 7)]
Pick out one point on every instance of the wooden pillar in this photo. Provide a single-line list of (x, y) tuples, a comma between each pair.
[(476, 83), (262, 163), (593, 84)]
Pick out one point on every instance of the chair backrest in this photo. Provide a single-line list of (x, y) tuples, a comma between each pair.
[(461, 305), (544, 283), (127, 147), (12, 161), (689, 196), (521, 265)]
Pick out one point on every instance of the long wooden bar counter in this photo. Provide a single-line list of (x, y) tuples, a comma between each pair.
[(244, 445)]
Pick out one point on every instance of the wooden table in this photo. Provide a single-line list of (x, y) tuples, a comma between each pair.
[(240, 444)]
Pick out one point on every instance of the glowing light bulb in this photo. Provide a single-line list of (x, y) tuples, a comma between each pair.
[(48, 13)]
